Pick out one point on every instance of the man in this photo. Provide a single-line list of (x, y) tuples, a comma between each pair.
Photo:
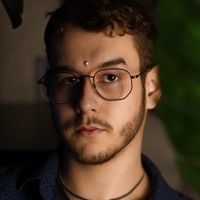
[(101, 83)]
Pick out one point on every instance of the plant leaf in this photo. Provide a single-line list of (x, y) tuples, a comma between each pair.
[(14, 9), (191, 172)]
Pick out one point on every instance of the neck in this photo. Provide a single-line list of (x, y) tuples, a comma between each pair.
[(69, 192)]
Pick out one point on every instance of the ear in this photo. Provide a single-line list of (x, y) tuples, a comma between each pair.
[(152, 86)]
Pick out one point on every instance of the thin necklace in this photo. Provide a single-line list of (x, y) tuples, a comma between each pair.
[(83, 198)]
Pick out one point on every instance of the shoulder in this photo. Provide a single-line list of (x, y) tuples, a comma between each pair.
[(31, 180), (7, 183), (160, 188), (15, 182)]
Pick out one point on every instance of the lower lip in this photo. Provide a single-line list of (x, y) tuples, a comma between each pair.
[(92, 132)]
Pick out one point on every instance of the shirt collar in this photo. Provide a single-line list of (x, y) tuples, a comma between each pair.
[(160, 189)]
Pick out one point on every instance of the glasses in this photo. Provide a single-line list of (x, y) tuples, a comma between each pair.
[(63, 87)]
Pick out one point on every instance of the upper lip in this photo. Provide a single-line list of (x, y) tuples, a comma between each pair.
[(88, 128)]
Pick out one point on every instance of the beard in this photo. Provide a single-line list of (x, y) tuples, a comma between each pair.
[(127, 134)]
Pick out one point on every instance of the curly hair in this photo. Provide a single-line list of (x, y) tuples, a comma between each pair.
[(114, 17)]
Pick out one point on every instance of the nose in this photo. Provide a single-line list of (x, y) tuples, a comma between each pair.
[(87, 103)]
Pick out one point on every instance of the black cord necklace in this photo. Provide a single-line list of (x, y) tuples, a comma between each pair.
[(83, 198)]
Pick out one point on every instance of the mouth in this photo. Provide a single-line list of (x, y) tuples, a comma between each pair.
[(89, 131)]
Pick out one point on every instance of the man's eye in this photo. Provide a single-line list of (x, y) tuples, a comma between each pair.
[(69, 81), (110, 78)]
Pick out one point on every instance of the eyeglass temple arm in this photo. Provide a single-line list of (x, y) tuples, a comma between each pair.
[(143, 71), (40, 81)]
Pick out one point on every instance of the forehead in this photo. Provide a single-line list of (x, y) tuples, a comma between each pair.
[(76, 46)]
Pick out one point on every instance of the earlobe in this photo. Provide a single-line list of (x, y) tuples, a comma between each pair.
[(152, 86)]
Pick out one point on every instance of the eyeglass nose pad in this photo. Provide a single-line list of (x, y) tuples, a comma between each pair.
[(78, 93), (94, 87)]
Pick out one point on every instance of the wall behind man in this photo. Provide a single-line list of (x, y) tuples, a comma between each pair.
[(23, 117), (22, 53)]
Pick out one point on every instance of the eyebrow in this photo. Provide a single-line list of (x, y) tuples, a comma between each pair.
[(109, 63)]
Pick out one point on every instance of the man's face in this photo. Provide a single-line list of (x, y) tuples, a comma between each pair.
[(94, 129)]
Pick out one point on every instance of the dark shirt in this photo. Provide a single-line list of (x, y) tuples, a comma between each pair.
[(35, 181)]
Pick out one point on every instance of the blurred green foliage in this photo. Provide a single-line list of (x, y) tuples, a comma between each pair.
[(178, 53)]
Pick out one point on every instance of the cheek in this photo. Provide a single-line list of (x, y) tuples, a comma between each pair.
[(120, 112), (61, 113), (132, 104)]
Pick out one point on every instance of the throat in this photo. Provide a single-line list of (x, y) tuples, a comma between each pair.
[(71, 193)]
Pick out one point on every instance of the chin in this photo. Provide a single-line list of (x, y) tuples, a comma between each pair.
[(94, 154)]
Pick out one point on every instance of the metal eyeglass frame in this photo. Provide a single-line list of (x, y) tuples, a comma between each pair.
[(42, 81)]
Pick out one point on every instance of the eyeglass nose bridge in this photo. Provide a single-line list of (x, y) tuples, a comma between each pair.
[(92, 83), (85, 76), (82, 77)]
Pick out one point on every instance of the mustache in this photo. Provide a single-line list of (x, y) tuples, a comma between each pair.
[(90, 121)]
